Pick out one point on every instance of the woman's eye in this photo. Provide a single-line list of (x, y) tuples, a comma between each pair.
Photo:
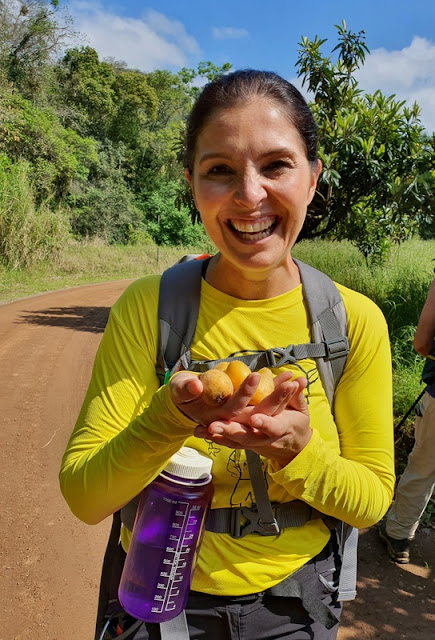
[(277, 166), (219, 170)]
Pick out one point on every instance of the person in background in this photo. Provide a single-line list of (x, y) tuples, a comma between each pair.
[(398, 528), (252, 165)]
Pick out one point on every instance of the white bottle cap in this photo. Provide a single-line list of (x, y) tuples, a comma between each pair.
[(190, 464)]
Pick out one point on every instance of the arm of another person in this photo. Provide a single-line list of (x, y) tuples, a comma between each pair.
[(425, 332)]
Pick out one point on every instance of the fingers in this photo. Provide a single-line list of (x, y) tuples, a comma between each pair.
[(282, 377), (185, 387), (230, 434), (278, 400), (297, 400), (240, 398)]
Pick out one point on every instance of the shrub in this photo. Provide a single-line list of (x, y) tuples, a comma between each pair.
[(167, 224), (28, 232)]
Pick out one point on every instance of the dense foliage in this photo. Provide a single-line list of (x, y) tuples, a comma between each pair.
[(377, 183), (96, 146)]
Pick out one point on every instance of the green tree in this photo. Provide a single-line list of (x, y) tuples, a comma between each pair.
[(87, 87), (31, 34), (58, 157), (135, 107), (162, 154), (104, 206), (375, 186), (168, 224)]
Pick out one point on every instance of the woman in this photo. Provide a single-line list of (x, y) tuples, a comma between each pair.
[(252, 166)]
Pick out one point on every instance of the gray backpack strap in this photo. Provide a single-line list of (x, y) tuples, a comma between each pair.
[(349, 546), (175, 629), (266, 519), (328, 324), (317, 609), (180, 290)]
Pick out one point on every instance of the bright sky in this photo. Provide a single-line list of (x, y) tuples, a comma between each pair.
[(264, 34)]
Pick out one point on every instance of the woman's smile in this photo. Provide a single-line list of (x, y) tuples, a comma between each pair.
[(253, 230)]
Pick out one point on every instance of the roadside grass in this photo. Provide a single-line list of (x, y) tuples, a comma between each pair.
[(399, 287), (88, 263)]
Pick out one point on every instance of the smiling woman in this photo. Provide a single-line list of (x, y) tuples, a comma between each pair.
[(252, 191), (252, 166)]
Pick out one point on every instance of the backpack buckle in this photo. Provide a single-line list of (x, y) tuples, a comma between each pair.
[(336, 348), (253, 523), (280, 356)]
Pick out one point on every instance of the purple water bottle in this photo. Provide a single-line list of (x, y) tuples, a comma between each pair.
[(155, 581)]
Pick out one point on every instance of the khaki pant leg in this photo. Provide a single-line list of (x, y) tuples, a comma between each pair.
[(417, 482)]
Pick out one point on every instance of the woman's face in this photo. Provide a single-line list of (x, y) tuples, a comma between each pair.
[(251, 183)]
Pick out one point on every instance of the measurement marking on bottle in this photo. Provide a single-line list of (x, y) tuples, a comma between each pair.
[(183, 533)]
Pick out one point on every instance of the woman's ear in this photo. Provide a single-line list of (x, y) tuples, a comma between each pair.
[(188, 177), (315, 173)]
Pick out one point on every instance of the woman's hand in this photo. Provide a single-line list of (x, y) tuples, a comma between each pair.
[(277, 428), (186, 389)]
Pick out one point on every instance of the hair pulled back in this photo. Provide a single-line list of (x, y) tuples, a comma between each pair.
[(240, 86)]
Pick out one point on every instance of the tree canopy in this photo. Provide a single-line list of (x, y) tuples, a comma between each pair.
[(376, 186), (100, 144)]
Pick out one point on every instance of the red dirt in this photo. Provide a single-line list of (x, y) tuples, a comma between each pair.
[(50, 562)]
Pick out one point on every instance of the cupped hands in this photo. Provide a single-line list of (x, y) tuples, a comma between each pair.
[(277, 428)]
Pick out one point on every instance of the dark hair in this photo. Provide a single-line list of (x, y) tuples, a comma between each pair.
[(237, 87)]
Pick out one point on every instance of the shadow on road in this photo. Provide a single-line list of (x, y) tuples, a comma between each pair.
[(78, 318), (394, 602)]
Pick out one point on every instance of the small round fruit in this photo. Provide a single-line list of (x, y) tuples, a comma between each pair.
[(265, 386), (238, 371), (222, 366), (217, 387), (265, 371)]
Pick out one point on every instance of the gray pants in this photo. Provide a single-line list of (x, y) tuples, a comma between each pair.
[(418, 480), (260, 616)]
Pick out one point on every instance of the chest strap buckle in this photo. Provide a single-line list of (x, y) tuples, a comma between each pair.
[(252, 523)]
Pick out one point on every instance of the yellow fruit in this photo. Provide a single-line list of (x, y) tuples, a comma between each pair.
[(265, 386), (238, 371), (266, 372), (217, 387), (222, 366)]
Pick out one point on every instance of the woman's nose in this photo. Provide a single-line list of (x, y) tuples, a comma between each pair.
[(250, 190)]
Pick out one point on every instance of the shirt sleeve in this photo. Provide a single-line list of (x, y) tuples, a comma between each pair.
[(128, 427), (356, 483)]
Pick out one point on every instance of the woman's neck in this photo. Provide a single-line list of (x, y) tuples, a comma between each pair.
[(254, 284)]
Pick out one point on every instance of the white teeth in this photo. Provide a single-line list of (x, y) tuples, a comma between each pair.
[(256, 231), (254, 236), (256, 227)]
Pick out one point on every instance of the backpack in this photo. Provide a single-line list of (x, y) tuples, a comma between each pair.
[(179, 300), (428, 373)]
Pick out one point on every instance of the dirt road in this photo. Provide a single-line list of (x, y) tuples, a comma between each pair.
[(50, 562)]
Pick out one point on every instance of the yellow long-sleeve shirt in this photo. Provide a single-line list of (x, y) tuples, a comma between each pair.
[(128, 429)]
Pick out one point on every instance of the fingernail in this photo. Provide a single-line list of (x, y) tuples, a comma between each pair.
[(256, 421), (216, 431)]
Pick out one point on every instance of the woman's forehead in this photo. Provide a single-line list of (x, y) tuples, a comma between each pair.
[(259, 121), (252, 105)]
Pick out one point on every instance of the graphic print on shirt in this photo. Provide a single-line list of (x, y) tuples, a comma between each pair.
[(242, 493)]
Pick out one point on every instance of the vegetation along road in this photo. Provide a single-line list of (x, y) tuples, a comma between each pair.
[(50, 562)]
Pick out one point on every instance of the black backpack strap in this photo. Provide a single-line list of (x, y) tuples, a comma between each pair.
[(108, 603)]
